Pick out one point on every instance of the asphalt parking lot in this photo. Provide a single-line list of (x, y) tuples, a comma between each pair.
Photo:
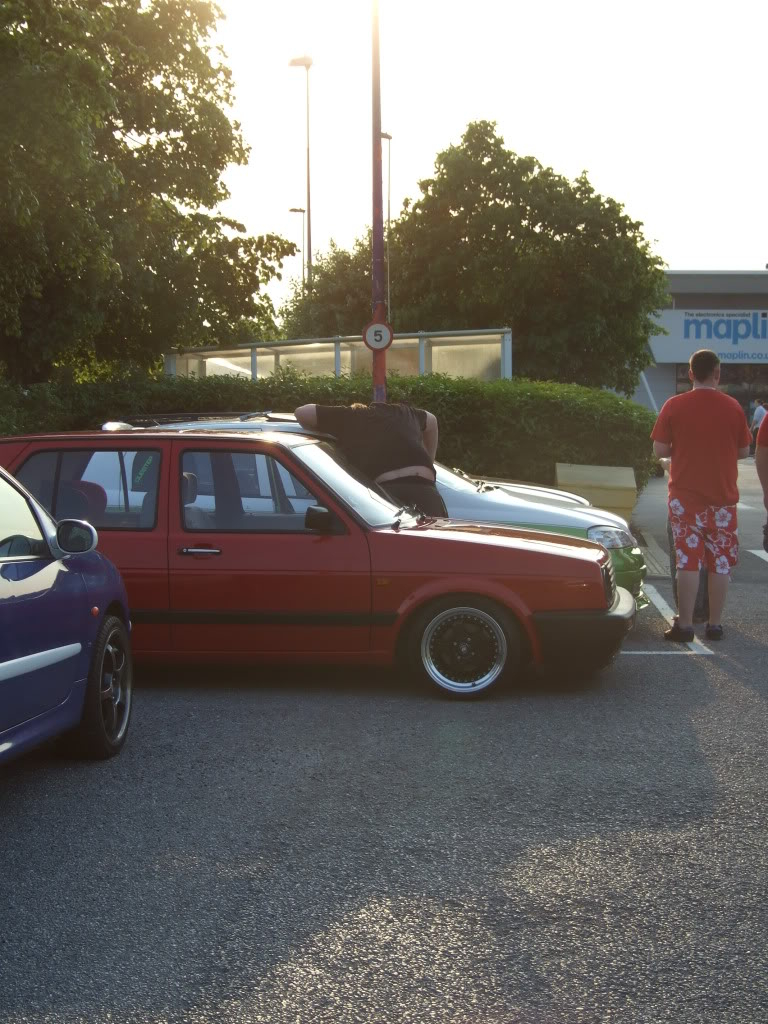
[(329, 847)]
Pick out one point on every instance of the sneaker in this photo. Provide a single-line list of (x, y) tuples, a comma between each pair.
[(678, 635), (713, 632)]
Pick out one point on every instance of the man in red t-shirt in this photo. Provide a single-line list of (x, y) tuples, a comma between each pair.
[(761, 464), (705, 433)]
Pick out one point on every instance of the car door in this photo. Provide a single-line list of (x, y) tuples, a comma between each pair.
[(246, 575), (43, 616), (121, 489)]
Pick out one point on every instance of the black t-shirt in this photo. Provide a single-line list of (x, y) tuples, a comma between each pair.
[(379, 438)]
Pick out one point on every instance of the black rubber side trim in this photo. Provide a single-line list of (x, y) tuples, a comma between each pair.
[(243, 618)]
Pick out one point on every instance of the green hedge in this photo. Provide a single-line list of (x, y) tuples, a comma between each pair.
[(516, 429)]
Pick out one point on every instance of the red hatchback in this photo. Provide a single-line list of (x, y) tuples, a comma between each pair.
[(272, 547)]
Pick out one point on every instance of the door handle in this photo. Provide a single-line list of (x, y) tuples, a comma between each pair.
[(199, 551)]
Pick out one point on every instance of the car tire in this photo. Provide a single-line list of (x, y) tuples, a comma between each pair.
[(108, 695), (464, 645)]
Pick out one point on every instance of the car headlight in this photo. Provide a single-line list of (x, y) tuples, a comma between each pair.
[(611, 537)]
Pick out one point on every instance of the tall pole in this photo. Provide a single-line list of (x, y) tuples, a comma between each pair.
[(309, 205), (388, 137), (377, 268), (306, 63), (302, 211)]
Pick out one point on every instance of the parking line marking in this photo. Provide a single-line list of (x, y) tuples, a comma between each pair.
[(741, 504), (696, 646), (759, 553), (660, 604), (685, 654)]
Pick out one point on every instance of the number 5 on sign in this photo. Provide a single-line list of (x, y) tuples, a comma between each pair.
[(378, 336)]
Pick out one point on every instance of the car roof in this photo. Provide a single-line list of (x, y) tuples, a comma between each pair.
[(238, 422), (141, 421), (286, 438)]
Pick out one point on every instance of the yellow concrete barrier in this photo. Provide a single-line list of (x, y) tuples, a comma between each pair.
[(610, 487)]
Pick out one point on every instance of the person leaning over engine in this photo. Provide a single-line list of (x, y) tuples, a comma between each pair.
[(393, 443)]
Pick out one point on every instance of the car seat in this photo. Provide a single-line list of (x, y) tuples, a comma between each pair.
[(71, 503), (194, 518), (147, 511), (96, 499), (145, 476)]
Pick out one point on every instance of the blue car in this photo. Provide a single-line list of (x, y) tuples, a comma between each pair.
[(65, 654)]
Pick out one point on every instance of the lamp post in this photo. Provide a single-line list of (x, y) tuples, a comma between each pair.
[(388, 137), (302, 211), (306, 63), (378, 299)]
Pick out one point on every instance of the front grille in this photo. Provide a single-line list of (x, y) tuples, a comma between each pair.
[(609, 582)]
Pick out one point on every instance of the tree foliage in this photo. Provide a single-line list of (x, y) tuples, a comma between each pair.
[(506, 428), (341, 294), (495, 240), (114, 133)]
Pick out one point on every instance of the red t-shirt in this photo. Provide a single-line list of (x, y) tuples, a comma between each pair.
[(762, 433), (706, 429)]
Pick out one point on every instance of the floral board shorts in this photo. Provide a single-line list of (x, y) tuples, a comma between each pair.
[(709, 536)]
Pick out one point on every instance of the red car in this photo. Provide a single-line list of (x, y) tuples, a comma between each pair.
[(271, 547)]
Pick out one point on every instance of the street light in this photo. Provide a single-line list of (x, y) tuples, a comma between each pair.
[(302, 211), (388, 137), (378, 299), (306, 63)]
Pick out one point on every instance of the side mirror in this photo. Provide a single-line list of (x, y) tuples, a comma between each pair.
[(320, 519), (75, 537)]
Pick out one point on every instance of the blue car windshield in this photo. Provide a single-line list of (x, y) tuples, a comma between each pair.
[(362, 495)]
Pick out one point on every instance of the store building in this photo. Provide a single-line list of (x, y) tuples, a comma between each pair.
[(726, 311)]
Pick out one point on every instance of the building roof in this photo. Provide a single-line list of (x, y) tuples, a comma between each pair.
[(721, 282)]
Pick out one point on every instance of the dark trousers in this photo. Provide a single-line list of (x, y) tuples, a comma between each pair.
[(701, 607), (418, 491)]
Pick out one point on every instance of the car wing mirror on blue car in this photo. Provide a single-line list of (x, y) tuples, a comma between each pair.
[(75, 537)]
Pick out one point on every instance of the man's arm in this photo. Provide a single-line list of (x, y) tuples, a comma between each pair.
[(307, 416), (662, 449), (761, 464), (743, 453), (429, 436)]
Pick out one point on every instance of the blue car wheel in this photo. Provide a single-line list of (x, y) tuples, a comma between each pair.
[(107, 706)]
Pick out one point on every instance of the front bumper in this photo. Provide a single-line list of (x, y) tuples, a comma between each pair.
[(589, 639)]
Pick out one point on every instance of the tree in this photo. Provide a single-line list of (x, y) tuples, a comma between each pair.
[(496, 240), (114, 135), (341, 294)]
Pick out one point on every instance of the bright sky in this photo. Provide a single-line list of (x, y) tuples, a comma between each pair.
[(661, 102)]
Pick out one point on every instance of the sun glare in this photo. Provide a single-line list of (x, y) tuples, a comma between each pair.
[(596, 87)]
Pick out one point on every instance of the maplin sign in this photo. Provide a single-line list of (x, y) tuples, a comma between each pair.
[(739, 336)]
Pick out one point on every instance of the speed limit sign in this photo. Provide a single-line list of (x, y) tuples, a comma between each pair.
[(378, 336)]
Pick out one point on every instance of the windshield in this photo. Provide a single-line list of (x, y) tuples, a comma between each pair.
[(363, 496)]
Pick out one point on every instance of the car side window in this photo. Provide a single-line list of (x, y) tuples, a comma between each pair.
[(241, 491), (20, 533), (111, 489)]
